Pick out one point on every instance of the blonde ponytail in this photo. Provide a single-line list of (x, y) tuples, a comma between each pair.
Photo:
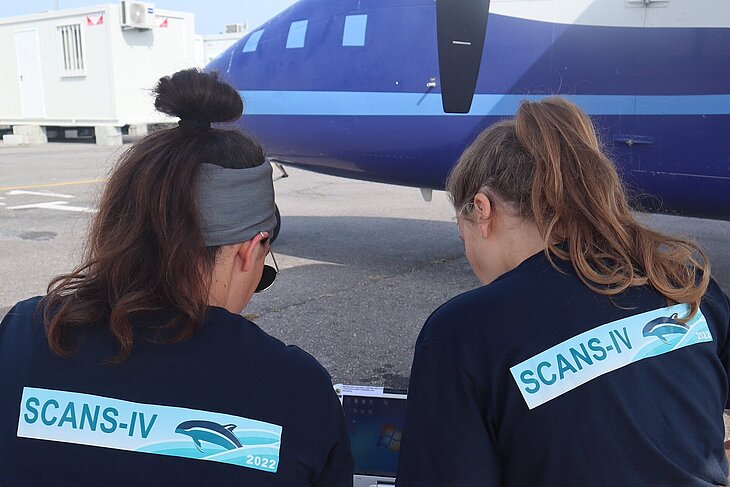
[(548, 164)]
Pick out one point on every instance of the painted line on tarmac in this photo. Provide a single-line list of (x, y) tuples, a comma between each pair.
[(52, 185), (54, 205), (17, 192)]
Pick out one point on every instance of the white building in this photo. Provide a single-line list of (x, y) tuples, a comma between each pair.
[(208, 47), (89, 67)]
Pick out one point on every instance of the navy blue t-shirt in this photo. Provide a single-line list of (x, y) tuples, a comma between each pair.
[(229, 406), (535, 380)]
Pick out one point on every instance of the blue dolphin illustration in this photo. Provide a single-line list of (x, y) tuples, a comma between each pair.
[(211, 432), (665, 325)]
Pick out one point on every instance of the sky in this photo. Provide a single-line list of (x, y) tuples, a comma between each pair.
[(210, 15)]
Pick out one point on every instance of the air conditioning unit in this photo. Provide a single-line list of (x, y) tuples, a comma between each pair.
[(236, 28), (138, 15)]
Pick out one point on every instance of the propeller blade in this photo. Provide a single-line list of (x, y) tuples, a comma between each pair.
[(461, 27)]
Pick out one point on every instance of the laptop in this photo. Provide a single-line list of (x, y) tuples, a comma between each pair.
[(375, 417)]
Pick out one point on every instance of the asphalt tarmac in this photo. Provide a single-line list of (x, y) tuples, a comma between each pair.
[(362, 264)]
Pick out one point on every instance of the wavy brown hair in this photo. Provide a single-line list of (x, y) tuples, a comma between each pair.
[(145, 256), (547, 165)]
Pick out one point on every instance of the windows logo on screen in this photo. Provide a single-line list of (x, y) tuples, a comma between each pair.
[(390, 438)]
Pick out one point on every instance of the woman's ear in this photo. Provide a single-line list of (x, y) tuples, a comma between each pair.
[(483, 211), (248, 252)]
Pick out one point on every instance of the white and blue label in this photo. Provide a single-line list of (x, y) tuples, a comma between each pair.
[(606, 348), (85, 419)]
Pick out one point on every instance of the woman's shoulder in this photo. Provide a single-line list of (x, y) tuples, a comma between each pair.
[(715, 296), (253, 342), (463, 317), (23, 314), (483, 311), (494, 299), (21, 336), (716, 304), (24, 309)]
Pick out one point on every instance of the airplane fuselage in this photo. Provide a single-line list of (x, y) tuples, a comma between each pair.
[(358, 93)]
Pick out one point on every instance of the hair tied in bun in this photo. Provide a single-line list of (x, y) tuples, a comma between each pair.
[(193, 124)]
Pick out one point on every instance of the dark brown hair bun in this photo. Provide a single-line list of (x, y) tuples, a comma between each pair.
[(194, 95)]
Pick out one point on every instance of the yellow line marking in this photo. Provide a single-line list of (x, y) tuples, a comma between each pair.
[(52, 185)]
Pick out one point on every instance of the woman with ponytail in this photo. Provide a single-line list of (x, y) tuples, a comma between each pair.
[(137, 368), (595, 353)]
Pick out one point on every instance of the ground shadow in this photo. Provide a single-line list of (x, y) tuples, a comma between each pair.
[(348, 240)]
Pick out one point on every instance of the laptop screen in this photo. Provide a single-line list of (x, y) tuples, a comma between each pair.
[(376, 425)]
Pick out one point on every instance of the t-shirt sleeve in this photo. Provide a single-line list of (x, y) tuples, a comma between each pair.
[(445, 440), (338, 469), (724, 314)]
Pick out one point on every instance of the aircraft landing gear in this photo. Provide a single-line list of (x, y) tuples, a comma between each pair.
[(283, 175)]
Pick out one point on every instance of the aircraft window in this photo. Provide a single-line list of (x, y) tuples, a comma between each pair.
[(297, 33), (253, 41), (354, 34)]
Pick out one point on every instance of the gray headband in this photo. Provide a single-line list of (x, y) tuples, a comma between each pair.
[(235, 204)]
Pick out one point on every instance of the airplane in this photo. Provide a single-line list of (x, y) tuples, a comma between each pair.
[(393, 91)]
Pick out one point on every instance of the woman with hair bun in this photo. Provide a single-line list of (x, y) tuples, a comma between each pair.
[(595, 353), (137, 368)]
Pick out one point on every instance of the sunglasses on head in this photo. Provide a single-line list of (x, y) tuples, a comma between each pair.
[(268, 276)]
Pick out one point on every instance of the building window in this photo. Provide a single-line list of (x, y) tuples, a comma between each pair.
[(297, 33), (354, 33), (253, 41), (72, 50)]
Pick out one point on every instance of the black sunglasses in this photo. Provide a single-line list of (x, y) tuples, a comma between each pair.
[(268, 276)]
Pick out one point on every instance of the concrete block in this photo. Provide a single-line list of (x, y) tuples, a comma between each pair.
[(31, 134), (138, 130), (106, 135), (11, 139)]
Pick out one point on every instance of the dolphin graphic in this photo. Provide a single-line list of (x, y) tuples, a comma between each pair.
[(665, 325), (211, 432)]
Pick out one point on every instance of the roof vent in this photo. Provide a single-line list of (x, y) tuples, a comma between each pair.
[(236, 28)]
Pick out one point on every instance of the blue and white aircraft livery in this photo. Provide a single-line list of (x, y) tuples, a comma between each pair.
[(599, 351), (394, 91), (85, 419)]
